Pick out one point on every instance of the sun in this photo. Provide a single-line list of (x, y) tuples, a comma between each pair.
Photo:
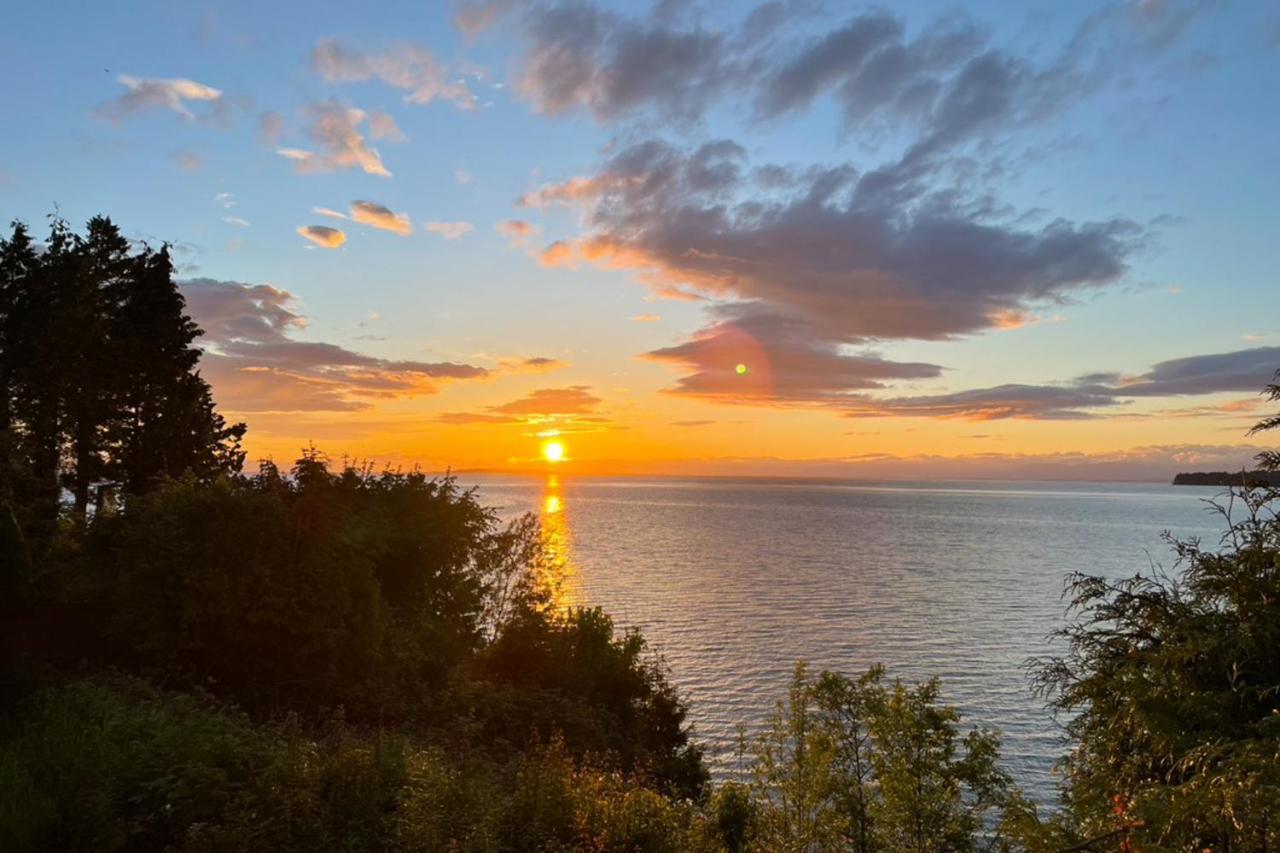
[(552, 451)]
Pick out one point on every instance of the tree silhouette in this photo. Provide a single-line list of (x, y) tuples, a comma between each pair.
[(98, 381), (1269, 460)]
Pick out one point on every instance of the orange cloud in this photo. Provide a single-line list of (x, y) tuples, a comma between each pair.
[(255, 364), (517, 231), (577, 190), (323, 235), (572, 400), (558, 254), (377, 216)]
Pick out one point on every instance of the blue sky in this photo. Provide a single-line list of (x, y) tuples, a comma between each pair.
[(1145, 130)]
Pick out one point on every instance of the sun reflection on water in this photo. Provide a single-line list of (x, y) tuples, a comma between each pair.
[(557, 575)]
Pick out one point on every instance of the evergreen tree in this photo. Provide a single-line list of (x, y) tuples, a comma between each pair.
[(165, 421), (91, 370), (38, 370), (98, 375), (1269, 460), (18, 260)]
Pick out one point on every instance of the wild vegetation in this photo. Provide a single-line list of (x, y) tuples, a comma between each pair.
[(335, 657)]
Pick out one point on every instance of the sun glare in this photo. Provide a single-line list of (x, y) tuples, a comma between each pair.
[(552, 451)]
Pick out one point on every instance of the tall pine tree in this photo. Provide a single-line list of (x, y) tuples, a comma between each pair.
[(99, 384), (165, 422)]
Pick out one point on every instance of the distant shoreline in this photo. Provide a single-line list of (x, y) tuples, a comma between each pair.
[(1228, 478), (801, 479)]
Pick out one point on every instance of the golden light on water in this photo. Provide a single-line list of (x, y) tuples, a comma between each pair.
[(553, 451), (556, 574)]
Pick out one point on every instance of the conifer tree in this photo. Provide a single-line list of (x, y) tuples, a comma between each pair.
[(99, 384), (166, 423)]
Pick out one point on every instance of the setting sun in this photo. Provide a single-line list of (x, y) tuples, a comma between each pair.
[(553, 451)]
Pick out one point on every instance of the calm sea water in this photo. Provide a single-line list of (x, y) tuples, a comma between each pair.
[(733, 581)]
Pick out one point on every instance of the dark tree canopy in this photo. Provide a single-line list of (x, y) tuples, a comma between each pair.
[(99, 388)]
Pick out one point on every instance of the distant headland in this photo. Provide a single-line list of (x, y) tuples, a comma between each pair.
[(1228, 478)]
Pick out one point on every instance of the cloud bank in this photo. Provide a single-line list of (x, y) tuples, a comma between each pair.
[(255, 363)]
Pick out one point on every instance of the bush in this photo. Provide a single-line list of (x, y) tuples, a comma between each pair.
[(119, 766), (115, 764), (319, 590), (864, 766), (572, 675)]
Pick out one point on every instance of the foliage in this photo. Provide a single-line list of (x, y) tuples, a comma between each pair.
[(99, 391), (1172, 689), (115, 764), (862, 765), (570, 667), (1269, 460)]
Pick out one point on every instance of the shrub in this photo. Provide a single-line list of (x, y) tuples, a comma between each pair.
[(864, 766)]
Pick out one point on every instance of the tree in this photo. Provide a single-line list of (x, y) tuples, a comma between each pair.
[(164, 421), (1171, 684), (859, 765), (98, 374), (18, 260), (90, 370), (36, 367), (851, 705), (1269, 460), (794, 774)]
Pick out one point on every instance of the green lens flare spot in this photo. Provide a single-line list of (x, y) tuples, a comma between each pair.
[(741, 370)]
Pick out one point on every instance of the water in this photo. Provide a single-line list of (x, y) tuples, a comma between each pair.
[(733, 581)]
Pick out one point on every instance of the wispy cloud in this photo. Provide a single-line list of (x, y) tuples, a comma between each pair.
[(405, 66), (188, 161), (336, 130), (143, 95), (534, 364), (383, 126), (518, 232), (270, 127), (448, 230)]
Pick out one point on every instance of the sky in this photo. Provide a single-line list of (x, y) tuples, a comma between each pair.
[(790, 238)]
